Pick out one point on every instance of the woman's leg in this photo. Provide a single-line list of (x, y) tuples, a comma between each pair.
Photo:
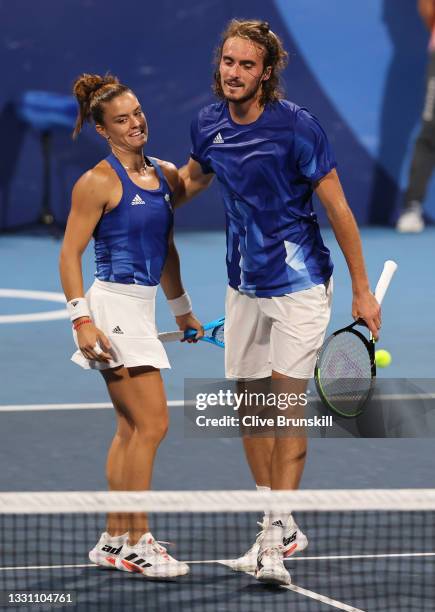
[(140, 402)]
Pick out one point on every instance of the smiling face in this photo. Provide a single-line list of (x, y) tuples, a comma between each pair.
[(124, 122), (241, 70)]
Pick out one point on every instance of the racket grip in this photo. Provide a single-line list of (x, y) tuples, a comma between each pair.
[(190, 333), (171, 336), (390, 268)]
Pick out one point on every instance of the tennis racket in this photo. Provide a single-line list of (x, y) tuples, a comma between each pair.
[(345, 370), (214, 333)]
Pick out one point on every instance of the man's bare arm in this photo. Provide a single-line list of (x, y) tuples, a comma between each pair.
[(193, 181), (343, 223)]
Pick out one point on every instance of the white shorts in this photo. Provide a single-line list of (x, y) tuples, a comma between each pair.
[(126, 315), (278, 333)]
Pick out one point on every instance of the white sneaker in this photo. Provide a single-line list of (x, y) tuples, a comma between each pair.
[(411, 220), (107, 550), (293, 541), (150, 559), (270, 567)]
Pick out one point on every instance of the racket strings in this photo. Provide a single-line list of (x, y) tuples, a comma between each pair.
[(345, 371), (218, 333)]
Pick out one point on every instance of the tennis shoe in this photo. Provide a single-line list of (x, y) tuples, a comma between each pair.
[(293, 541), (411, 220), (107, 550), (150, 559), (270, 567)]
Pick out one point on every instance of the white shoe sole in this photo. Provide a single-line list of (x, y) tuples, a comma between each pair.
[(301, 545), (269, 577), (102, 560), (128, 566)]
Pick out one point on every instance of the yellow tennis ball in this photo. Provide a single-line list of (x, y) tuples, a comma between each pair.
[(383, 358)]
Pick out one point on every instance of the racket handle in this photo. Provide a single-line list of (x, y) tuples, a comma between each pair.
[(171, 336), (385, 279), (177, 335)]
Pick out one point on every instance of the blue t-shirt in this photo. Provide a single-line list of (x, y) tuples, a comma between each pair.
[(266, 171)]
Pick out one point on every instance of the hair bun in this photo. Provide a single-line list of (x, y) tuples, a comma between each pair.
[(87, 84)]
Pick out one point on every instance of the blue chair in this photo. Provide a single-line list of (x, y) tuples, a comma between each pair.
[(46, 111)]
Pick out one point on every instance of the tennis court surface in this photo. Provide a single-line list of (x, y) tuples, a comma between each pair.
[(368, 550)]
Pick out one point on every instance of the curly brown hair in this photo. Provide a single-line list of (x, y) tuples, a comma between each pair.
[(91, 91), (275, 56)]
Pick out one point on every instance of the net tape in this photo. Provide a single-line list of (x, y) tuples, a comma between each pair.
[(217, 501)]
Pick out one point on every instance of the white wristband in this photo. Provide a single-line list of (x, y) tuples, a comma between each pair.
[(181, 305), (78, 307)]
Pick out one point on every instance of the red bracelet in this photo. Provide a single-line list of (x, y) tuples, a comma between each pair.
[(83, 322)]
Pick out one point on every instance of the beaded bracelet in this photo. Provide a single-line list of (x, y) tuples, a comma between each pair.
[(83, 322)]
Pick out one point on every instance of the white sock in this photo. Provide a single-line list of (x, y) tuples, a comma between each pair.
[(117, 539), (263, 489), (275, 529)]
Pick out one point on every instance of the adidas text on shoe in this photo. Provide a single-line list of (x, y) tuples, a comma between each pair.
[(107, 550)]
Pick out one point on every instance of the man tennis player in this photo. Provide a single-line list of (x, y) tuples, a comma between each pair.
[(269, 156)]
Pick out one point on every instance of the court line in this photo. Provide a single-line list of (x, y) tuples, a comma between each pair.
[(91, 406), (229, 562), (334, 603), (171, 403), (378, 556), (322, 598), (49, 296), (291, 587)]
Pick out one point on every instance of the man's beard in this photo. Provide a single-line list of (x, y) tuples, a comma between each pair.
[(249, 96)]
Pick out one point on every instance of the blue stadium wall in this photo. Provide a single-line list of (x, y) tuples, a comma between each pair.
[(358, 66)]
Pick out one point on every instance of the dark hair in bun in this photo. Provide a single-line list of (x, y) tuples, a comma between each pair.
[(91, 91)]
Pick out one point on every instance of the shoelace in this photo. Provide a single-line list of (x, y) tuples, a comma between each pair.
[(259, 535), (157, 546)]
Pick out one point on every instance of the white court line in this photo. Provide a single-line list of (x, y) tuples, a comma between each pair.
[(50, 315), (171, 403), (292, 587), (339, 605), (322, 598), (44, 567), (92, 406), (381, 556)]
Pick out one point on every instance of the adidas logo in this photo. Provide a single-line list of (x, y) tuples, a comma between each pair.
[(117, 330), (218, 139), (136, 560), (110, 549), (278, 524), (137, 200)]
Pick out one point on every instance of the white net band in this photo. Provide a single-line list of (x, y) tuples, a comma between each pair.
[(218, 501)]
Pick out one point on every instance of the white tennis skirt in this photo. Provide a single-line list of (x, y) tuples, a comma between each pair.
[(126, 315)]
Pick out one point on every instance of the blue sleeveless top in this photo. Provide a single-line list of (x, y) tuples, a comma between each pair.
[(131, 241)]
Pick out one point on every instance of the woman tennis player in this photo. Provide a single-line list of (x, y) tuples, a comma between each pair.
[(124, 202)]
